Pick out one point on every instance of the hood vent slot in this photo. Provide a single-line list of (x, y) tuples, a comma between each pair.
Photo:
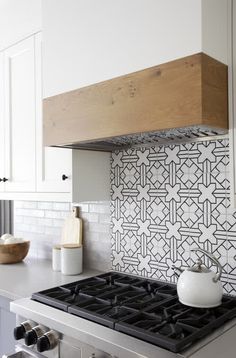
[(174, 136)]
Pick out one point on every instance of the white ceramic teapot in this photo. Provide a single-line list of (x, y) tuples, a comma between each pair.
[(198, 286)]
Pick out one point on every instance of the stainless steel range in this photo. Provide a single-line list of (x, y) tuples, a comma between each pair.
[(117, 315)]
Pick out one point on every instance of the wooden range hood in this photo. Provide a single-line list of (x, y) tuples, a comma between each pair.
[(184, 98)]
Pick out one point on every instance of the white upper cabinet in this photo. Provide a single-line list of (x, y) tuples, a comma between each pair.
[(28, 170), (52, 164), (19, 106)]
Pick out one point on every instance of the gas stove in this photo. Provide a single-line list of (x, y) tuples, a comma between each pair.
[(145, 309)]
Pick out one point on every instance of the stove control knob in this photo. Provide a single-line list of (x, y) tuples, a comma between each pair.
[(31, 337), (20, 331), (48, 341), (43, 344)]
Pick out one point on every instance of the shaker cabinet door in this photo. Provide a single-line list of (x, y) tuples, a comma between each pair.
[(53, 165), (19, 63)]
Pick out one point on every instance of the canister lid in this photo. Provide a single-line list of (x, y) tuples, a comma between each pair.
[(71, 246)]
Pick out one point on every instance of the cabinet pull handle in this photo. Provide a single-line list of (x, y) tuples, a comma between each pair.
[(1, 179), (64, 177), (4, 179)]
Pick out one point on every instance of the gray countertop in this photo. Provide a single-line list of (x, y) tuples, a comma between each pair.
[(33, 275)]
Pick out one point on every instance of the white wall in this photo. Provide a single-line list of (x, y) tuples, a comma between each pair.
[(18, 19), (215, 28), (89, 41)]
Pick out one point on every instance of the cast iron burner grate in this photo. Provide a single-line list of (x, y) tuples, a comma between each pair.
[(145, 309)]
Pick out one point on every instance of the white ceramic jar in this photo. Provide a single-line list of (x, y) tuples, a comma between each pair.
[(71, 259), (56, 258)]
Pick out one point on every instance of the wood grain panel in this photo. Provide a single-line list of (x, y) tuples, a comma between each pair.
[(158, 98), (214, 92)]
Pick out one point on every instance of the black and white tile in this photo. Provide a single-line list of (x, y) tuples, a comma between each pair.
[(168, 199)]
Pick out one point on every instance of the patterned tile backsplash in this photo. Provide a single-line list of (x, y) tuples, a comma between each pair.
[(166, 200)]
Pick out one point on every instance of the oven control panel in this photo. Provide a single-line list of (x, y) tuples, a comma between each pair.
[(37, 339), (36, 335)]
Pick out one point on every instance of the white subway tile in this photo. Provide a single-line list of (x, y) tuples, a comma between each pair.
[(52, 214), (18, 204), (45, 252), (58, 222), (90, 217), (84, 208), (29, 212), (64, 214), (44, 222), (30, 220), (99, 208), (30, 205), (45, 205), (54, 231), (18, 219), (100, 228), (104, 218), (37, 229), (19, 212), (90, 237), (23, 227), (105, 238), (61, 206)]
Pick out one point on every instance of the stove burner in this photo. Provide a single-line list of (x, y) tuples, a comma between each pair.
[(145, 309)]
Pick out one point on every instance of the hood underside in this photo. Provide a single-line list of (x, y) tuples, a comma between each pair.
[(171, 136)]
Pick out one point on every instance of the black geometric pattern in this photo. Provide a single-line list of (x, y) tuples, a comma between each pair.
[(168, 199)]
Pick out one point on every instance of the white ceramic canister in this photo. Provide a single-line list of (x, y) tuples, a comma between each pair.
[(71, 259), (56, 258)]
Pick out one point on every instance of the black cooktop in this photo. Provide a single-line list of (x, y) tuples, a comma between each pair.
[(145, 309)]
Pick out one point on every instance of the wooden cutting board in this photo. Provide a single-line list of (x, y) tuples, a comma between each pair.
[(72, 229)]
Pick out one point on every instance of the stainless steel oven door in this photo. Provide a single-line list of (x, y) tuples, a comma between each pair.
[(23, 353), (20, 354)]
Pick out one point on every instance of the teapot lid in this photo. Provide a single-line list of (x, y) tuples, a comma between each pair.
[(198, 267)]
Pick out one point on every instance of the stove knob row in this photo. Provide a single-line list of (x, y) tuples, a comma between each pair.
[(36, 334)]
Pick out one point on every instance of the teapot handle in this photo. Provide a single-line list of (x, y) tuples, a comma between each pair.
[(213, 259)]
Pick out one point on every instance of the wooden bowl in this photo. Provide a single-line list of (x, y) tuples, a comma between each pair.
[(13, 253)]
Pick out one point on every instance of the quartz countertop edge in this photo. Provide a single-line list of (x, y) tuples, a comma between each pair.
[(33, 275)]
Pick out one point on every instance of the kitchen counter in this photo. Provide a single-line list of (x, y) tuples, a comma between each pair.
[(32, 275)]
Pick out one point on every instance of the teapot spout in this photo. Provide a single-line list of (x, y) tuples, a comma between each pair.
[(178, 270)]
